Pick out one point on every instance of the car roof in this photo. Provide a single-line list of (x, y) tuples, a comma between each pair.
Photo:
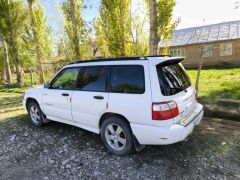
[(123, 60)]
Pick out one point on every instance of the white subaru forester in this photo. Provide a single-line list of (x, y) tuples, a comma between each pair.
[(131, 102)]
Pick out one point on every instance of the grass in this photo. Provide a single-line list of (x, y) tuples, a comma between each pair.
[(214, 83), (11, 106), (218, 83)]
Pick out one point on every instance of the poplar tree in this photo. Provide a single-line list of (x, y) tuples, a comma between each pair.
[(40, 34), (115, 23), (12, 24), (161, 22), (73, 25)]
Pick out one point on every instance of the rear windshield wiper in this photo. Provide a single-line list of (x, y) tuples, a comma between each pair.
[(179, 89)]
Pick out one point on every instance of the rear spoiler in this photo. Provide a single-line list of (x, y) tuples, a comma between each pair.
[(170, 62)]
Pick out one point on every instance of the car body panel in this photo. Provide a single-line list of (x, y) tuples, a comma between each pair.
[(82, 110)]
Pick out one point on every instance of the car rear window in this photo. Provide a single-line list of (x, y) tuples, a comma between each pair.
[(172, 79), (127, 79)]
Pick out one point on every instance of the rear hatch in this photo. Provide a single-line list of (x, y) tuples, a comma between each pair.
[(175, 85)]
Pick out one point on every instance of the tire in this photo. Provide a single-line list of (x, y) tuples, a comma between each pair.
[(117, 136), (35, 114)]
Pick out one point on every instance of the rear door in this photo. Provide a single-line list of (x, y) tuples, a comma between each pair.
[(130, 93), (90, 99), (175, 85)]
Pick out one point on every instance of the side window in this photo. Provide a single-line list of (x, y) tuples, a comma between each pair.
[(92, 79), (66, 80), (127, 79)]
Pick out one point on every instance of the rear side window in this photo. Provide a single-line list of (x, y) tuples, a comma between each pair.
[(172, 79), (127, 79), (92, 79)]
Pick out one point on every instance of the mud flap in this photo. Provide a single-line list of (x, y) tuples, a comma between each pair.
[(137, 145)]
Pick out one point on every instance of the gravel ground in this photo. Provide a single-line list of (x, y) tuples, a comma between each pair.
[(58, 151)]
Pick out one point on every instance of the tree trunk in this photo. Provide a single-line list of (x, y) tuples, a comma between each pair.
[(2, 74), (199, 72), (123, 29), (153, 39), (39, 54), (6, 60), (15, 53), (75, 30)]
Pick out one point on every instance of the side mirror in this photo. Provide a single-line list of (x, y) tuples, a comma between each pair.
[(46, 85)]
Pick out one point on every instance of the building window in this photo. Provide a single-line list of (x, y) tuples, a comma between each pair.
[(207, 51), (226, 49), (177, 52)]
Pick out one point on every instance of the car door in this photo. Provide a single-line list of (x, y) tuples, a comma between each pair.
[(90, 99), (57, 98)]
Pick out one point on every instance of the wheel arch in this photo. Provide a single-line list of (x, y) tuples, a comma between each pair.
[(29, 100), (110, 114), (137, 145)]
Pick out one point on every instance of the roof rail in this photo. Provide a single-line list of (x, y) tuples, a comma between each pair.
[(117, 59)]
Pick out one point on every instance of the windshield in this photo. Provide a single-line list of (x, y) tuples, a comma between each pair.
[(172, 79)]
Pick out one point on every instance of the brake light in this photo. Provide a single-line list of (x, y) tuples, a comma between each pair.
[(164, 110)]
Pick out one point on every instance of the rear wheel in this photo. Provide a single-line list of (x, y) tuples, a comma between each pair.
[(35, 114), (117, 136)]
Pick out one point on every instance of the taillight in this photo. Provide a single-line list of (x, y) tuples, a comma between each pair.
[(164, 110)]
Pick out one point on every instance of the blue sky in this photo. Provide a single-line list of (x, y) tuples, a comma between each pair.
[(192, 12), (50, 10)]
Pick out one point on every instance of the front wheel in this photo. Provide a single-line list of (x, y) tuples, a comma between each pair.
[(117, 136), (35, 114)]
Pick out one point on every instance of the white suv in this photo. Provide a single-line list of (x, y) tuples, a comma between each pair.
[(131, 102)]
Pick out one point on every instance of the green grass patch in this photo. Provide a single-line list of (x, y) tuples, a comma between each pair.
[(218, 83), (11, 106)]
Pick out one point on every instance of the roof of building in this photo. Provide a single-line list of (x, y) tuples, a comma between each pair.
[(203, 34)]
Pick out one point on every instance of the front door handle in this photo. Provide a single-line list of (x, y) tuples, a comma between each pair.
[(98, 97), (65, 94)]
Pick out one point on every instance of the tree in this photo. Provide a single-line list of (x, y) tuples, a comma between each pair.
[(62, 44), (100, 38), (115, 23), (12, 23), (6, 59), (40, 34), (73, 25), (161, 25), (140, 35)]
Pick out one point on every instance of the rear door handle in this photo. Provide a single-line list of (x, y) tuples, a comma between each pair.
[(98, 97), (65, 94)]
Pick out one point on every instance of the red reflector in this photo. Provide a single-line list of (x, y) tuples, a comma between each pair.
[(164, 110)]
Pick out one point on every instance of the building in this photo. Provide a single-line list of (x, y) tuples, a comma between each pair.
[(216, 44)]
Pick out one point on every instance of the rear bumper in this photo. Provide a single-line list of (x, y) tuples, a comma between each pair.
[(162, 135)]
